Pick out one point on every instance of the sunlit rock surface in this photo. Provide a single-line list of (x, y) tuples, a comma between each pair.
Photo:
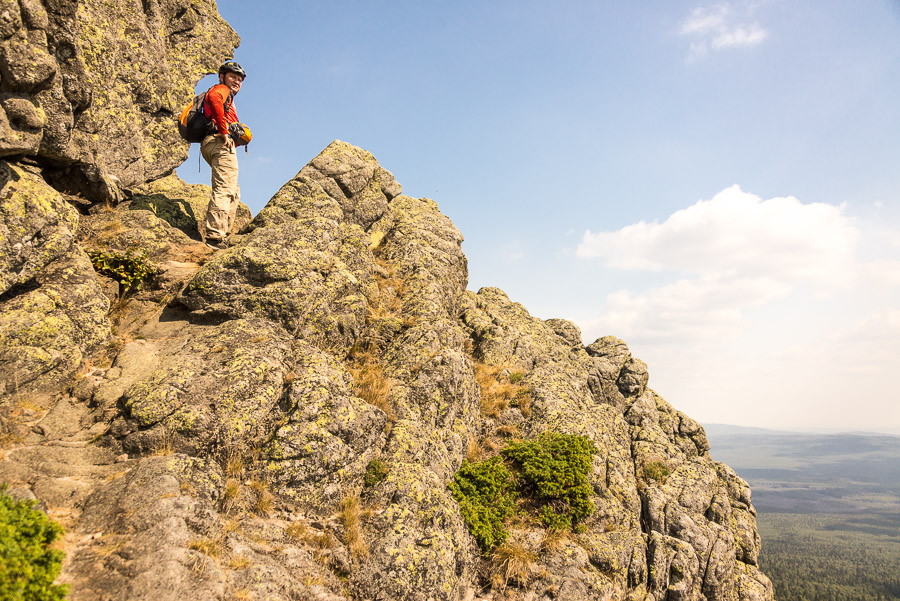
[(281, 419)]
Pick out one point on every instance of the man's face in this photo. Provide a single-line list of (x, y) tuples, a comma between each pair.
[(232, 80)]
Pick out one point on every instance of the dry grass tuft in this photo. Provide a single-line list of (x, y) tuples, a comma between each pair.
[(265, 500), (231, 494), (212, 547), (242, 595), (230, 527), (111, 228), (319, 540), (296, 531), (239, 562), (370, 383), (498, 393), (523, 401), (299, 532), (166, 446), (474, 452), (234, 463), (387, 303), (351, 508), (554, 539), (510, 431), (511, 561)]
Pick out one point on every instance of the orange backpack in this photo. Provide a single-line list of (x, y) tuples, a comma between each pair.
[(193, 124)]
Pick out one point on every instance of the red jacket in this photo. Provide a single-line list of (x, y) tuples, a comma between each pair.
[(219, 107)]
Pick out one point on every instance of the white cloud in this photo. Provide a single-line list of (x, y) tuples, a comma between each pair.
[(740, 234), (768, 312), (742, 35), (719, 27), (705, 20), (706, 308)]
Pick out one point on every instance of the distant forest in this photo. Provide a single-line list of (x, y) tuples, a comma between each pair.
[(823, 557), (828, 510)]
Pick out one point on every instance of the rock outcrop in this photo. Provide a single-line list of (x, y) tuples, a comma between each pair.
[(89, 89), (281, 419)]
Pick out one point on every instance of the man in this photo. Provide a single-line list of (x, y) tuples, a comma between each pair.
[(219, 151)]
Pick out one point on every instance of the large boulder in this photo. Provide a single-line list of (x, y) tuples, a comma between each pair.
[(660, 501), (306, 263), (424, 551), (48, 326), (36, 225), (205, 388), (52, 308), (91, 89)]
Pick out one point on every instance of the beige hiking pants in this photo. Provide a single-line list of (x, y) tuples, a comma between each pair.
[(225, 191)]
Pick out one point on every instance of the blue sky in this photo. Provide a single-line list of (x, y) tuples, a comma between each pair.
[(716, 183)]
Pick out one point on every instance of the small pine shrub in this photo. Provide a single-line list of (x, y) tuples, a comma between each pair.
[(486, 495), (556, 468), (376, 471), (551, 473), (130, 270), (27, 566)]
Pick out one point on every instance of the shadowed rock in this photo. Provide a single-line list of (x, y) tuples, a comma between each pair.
[(95, 107)]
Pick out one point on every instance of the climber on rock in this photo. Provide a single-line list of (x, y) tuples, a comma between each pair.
[(218, 150)]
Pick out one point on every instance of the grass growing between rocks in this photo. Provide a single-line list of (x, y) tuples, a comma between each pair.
[(246, 486), (370, 382), (656, 471), (501, 388), (350, 514), (511, 561), (546, 478), (376, 471)]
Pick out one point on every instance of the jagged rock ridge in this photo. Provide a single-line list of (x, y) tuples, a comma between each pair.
[(210, 436)]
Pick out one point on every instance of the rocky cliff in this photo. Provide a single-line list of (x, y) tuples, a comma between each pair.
[(283, 419)]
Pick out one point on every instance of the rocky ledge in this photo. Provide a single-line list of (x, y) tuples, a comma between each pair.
[(322, 410), (282, 419)]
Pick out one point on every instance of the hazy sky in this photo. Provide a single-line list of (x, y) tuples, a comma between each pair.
[(716, 183)]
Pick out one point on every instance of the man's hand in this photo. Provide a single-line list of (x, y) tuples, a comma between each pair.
[(228, 140)]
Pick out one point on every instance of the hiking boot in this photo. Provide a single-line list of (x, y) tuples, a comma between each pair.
[(216, 244)]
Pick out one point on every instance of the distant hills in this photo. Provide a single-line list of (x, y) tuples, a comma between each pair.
[(730, 430), (828, 508)]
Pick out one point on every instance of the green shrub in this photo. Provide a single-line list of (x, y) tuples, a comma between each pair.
[(556, 469), (486, 495), (376, 471), (552, 474), (130, 270), (27, 567), (656, 470)]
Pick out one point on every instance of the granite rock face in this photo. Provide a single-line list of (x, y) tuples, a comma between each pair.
[(52, 308), (281, 419), (306, 262), (304, 400), (91, 89)]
